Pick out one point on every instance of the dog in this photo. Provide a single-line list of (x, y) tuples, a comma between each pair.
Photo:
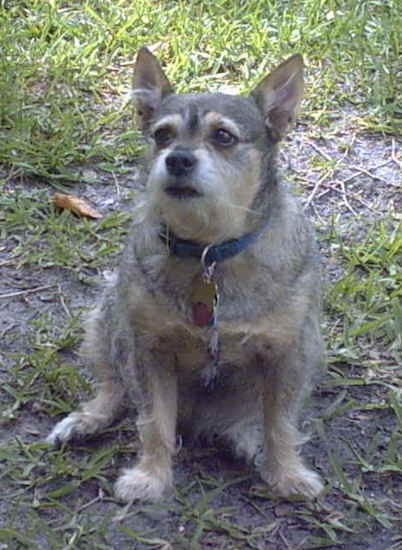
[(211, 325)]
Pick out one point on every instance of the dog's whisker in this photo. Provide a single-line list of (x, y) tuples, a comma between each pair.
[(241, 208)]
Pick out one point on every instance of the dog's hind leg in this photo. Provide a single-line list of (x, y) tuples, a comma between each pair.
[(245, 438), (93, 415)]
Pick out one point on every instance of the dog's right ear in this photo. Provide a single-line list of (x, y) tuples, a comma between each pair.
[(150, 86), (279, 95)]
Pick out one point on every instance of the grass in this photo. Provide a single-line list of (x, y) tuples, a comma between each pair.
[(65, 71), (42, 236), (368, 296), (65, 67)]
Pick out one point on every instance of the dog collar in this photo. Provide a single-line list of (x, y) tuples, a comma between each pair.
[(204, 289), (210, 254)]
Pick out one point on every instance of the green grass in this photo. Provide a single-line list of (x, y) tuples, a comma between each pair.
[(45, 237), (65, 70), (368, 298), (65, 67)]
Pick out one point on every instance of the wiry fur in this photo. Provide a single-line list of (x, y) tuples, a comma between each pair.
[(141, 338)]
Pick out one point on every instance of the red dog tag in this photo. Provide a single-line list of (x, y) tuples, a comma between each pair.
[(204, 297)]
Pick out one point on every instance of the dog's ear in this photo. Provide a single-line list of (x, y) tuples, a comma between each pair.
[(279, 95), (150, 86)]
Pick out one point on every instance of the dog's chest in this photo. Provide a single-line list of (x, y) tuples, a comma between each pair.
[(175, 335), (191, 349), (243, 325)]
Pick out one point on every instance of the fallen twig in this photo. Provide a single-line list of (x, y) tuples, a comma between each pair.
[(319, 150), (27, 291), (63, 303), (345, 198), (318, 183), (393, 155), (360, 170)]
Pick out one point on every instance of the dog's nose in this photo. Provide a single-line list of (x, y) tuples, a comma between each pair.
[(180, 162)]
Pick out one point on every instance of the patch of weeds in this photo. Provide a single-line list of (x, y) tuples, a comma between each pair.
[(48, 335), (42, 379), (363, 507), (42, 482), (52, 475), (361, 512), (53, 109), (65, 68), (364, 375), (366, 300), (202, 516), (148, 538), (43, 236)]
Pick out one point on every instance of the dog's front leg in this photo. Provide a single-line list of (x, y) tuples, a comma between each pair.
[(285, 382), (157, 414)]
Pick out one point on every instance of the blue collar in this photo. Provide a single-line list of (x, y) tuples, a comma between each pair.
[(216, 252)]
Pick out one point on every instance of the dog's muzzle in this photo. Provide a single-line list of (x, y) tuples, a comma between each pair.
[(180, 165)]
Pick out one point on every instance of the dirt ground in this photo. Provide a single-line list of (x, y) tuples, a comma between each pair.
[(219, 503)]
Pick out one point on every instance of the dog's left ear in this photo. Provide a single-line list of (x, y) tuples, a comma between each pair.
[(279, 95), (150, 86)]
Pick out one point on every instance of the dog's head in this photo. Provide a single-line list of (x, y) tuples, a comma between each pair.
[(211, 152)]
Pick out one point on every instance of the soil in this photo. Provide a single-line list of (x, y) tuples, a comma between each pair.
[(219, 503)]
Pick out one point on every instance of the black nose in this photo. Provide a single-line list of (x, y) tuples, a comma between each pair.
[(180, 162)]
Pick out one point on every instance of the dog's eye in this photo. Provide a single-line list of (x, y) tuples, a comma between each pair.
[(163, 136), (223, 137)]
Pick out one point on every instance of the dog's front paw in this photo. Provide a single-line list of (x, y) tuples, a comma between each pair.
[(297, 480), (143, 483), (76, 424)]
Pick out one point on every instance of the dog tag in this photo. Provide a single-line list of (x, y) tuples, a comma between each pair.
[(204, 298)]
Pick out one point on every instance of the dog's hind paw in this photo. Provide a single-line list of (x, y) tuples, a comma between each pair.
[(144, 484)]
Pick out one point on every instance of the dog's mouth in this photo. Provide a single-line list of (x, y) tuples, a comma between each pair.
[(182, 192)]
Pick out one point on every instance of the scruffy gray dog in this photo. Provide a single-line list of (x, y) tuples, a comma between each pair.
[(211, 325)]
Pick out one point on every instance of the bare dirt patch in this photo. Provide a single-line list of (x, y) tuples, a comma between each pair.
[(63, 498)]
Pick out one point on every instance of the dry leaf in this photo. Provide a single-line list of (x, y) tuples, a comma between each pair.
[(76, 205)]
